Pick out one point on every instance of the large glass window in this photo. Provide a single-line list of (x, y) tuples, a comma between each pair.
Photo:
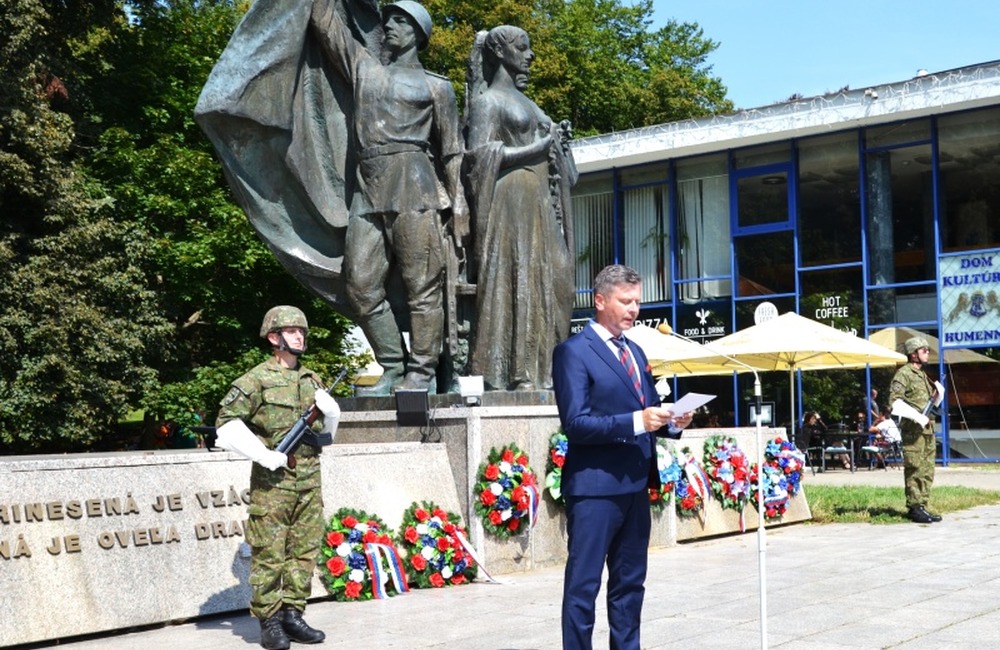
[(762, 199), (647, 229), (900, 215), (765, 264), (703, 251), (593, 201), (969, 165), (833, 297), (829, 200)]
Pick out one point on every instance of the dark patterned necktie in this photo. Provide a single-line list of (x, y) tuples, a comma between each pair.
[(625, 356)]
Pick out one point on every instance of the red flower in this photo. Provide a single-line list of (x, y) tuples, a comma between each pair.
[(492, 472), (336, 565), (458, 553), (440, 514), (458, 579), (373, 524), (688, 503), (437, 580), (418, 562), (487, 498), (522, 460), (654, 496), (349, 522), (385, 539), (558, 459), (443, 544), (411, 534), (334, 539), (370, 537), (421, 515), (517, 494), (513, 524), (352, 589), (449, 528), (508, 456), (495, 518)]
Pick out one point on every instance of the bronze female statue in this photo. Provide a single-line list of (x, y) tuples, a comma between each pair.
[(519, 172)]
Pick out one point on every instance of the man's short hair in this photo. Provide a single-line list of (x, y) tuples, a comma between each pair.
[(615, 275)]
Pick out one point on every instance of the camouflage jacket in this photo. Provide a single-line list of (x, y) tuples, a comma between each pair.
[(270, 399), (913, 387)]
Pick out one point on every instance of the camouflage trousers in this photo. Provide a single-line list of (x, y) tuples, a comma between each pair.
[(284, 530), (918, 465)]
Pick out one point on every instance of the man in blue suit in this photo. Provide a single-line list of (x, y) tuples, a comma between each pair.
[(611, 414)]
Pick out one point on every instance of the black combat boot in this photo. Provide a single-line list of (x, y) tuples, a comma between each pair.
[(272, 633), (298, 630), (919, 515), (935, 518)]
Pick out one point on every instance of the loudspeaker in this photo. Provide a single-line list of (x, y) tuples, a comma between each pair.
[(412, 409)]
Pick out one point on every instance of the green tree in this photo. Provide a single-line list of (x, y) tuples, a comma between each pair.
[(597, 64), (79, 319)]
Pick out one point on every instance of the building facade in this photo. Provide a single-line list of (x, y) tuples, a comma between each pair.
[(876, 211)]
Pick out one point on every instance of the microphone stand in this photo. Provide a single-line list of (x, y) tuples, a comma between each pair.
[(761, 512)]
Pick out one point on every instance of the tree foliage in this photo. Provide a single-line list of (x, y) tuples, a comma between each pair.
[(79, 317)]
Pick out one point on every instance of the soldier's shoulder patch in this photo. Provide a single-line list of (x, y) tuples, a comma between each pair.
[(234, 394)]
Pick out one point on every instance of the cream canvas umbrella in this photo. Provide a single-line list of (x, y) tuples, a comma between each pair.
[(894, 337), (792, 342), (670, 355)]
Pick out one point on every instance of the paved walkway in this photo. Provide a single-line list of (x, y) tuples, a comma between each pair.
[(837, 586)]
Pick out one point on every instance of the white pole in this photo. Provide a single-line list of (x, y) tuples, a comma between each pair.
[(761, 533)]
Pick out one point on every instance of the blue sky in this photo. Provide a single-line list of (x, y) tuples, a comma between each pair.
[(770, 50)]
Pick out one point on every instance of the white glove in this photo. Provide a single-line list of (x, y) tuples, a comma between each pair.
[(236, 436), (330, 409), (904, 410), (938, 393)]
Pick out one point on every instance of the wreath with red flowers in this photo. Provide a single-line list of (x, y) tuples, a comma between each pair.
[(506, 492), (783, 464), (558, 445), (669, 472), (728, 470), (345, 566), (692, 486), (435, 557)]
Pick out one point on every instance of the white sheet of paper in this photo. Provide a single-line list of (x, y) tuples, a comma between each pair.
[(689, 403)]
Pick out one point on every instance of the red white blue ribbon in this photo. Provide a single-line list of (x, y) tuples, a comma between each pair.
[(374, 554)]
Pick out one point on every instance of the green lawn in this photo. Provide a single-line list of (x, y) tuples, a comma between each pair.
[(886, 505)]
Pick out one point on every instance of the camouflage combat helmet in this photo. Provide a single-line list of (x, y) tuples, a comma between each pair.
[(282, 316), (915, 343)]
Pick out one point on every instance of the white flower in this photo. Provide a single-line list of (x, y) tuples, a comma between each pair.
[(505, 514), (422, 529), (496, 489), (428, 552), (362, 526), (436, 520), (446, 572), (504, 467), (344, 549), (356, 575)]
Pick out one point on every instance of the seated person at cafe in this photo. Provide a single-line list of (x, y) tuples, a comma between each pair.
[(885, 434), (813, 434)]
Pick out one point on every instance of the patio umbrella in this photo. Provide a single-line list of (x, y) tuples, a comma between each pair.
[(894, 337), (792, 342), (669, 355)]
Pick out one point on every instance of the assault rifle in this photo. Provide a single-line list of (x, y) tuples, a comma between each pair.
[(301, 431)]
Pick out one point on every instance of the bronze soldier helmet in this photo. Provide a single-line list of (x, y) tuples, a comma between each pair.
[(283, 316), (415, 11)]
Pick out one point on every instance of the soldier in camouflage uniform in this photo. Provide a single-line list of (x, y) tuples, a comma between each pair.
[(912, 386), (285, 523)]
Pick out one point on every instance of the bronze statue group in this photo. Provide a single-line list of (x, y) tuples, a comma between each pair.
[(356, 168)]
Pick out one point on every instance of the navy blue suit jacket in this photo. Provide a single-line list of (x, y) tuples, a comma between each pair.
[(596, 399)]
